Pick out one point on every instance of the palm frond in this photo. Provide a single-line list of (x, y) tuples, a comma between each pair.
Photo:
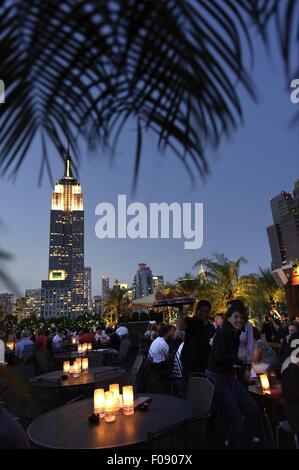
[(84, 69)]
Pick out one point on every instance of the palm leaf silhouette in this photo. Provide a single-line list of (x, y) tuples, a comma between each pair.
[(175, 68)]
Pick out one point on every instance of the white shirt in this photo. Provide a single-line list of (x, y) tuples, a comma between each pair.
[(122, 331), (159, 350), (56, 341), (246, 348), (177, 364)]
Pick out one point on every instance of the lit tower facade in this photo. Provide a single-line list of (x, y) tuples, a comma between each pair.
[(63, 292)]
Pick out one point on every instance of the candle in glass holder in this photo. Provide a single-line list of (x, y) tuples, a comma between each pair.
[(109, 407), (85, 365), (77, 368), (128, 400), (84, 347), (99, 402), (10, 345), (66, 367), (114, 388), (265, 384), (74, 341), (89, 346)]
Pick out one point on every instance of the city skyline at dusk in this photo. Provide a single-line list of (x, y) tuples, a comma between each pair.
[(245, 173)]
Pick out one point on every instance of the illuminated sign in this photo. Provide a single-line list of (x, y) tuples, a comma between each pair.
[(57, 275)]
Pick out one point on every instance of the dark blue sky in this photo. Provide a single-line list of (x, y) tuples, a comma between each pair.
[(258, 162)]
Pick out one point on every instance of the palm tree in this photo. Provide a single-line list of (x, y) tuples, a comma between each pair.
[(84, 69), (117, 306), (223, 281), (268, 294)]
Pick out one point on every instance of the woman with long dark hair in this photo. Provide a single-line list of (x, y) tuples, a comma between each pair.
[(231, 398)]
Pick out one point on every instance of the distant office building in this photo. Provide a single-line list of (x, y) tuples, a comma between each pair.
[(143, 281), (20, 308), (158, 282), (32, 302), (97, 304), (87, 287), (283, 235), (63, 292), (119, 286), (6, 303), (105, 287)]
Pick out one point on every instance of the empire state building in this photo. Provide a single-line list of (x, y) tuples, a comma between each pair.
[(63, 293)]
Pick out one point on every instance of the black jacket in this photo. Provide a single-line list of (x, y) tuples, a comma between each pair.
[(224, 353)]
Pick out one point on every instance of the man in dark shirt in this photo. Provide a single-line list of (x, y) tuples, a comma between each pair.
[(198, 332), (268, 329)]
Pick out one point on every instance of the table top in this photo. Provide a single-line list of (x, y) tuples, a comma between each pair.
[(104, 374), (67, 427)]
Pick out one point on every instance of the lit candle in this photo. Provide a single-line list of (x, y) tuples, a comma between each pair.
[(74, 341), (99, 402), (128, 400), (66, 367), (114, 388), (85, 365), (109, 407), (79, 348), (89, 346), (265, 384), (77, 367), (10, 345), (84, 347)]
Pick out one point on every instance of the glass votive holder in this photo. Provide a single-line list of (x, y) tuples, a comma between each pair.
[(99, 402), (109, 407), (77, 368), (128, 400), (85, 365), (66, 367), (114, 388)]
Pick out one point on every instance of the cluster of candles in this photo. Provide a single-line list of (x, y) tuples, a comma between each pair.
[(108, 404), (79, 365), (83, 348)]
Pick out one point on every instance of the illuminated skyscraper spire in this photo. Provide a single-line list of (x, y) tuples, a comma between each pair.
[(68, 161)]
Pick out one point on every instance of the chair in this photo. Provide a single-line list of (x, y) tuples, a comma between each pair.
[(12, 435), (199, 394), (42, 361), (133, 372), (95, 359), (188, 434), (285, 426)]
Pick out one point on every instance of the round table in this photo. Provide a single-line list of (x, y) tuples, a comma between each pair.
[(68, 428), (103, 375)]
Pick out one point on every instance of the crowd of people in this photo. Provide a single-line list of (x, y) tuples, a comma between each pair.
[(231, 351), (227, 348), (61, 340)]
